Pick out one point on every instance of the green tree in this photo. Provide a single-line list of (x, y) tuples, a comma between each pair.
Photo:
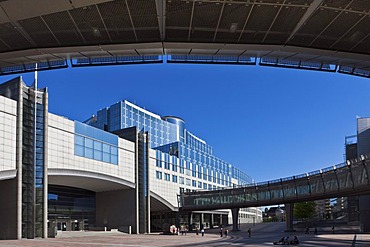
[(304, 210)]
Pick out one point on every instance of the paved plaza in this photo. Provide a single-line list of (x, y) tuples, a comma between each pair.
[(262, 235)]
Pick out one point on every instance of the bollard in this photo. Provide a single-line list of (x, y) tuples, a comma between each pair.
[(129, 229)]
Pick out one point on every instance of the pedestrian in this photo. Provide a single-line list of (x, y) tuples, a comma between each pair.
[(186, 229), (249, 232), (226, 232), (221, 231), (307, 231), (295, 241), (197, 231), (202, 231), (332, 229), (315, 232)]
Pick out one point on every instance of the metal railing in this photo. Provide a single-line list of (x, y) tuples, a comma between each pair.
[(344, 179)]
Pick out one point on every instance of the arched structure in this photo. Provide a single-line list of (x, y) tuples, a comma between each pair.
[(322, 35), (87, 180)]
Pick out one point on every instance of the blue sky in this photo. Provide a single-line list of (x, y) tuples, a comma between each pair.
[(269, 122)]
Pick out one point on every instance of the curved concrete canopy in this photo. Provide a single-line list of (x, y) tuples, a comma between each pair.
[(306, 34), (8, 174), (87, 180), (158, 204)]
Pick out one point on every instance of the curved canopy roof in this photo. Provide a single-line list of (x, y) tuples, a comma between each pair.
[(328, 35)]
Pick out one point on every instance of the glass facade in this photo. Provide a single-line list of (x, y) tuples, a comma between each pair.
[(39, 167), (176, 147), (71, 209), (95, 144)]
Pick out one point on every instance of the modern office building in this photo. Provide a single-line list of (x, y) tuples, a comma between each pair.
[(57, 173), (358, 209)]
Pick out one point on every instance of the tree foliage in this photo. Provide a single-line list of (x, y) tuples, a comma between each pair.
[(304, 210)]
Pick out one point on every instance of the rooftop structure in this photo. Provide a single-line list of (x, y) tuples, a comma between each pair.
[(321, 35)]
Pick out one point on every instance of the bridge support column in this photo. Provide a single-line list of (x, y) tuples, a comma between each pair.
[(364, 203), (235, 215), (190, 220), (212, 222), (289, 217), (201, 221)]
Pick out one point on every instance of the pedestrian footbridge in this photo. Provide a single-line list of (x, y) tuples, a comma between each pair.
[(345, 179)]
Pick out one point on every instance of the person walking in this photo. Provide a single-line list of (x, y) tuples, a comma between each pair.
[(332, 229), (307, 231), (226, 232), (202, 231), (221, 232), (315, 232), (249, 232)]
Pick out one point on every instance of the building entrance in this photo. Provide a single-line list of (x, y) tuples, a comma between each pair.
[(71, 209)]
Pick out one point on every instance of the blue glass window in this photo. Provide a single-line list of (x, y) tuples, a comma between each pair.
[(95, 144)]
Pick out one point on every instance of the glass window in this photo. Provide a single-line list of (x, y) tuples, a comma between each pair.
[(98, 155), (98, 146), (79, 140), (106, 157), (114, 150), (194, 183), (89, 153), (174, 167), (114, 159), (106, 148), (79, 150), (89, 143)]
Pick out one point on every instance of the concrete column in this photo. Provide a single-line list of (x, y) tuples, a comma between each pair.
[(220, 224), (190, 220), (289, 217), (235, 215), (364, 208), (177, 219), (46, 154), (19, 159), (137, 229), (212, 222), (201, 221)]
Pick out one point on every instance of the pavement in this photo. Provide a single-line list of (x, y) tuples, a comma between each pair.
[(262, 235)]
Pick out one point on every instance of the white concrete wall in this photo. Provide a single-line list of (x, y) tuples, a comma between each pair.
[(8, 124), (61, 152), (166, 189)]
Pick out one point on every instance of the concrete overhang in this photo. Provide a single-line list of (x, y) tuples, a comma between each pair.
[(88, 180), (8, 174)]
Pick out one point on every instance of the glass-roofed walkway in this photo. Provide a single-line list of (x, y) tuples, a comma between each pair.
[(345, 179)]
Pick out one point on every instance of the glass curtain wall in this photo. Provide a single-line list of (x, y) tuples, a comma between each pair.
[(32, 164), (71, 209)]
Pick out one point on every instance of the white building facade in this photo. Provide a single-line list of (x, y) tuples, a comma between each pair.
[(56, 173)]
